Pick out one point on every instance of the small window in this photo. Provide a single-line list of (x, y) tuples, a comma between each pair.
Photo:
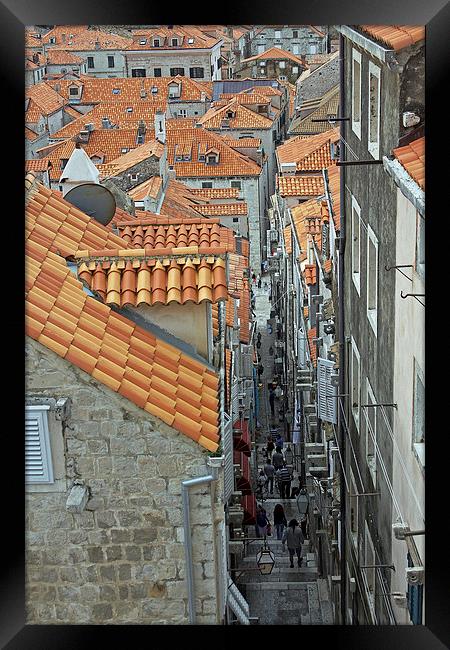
[(190, 41), (182, 112), (372, 278), (154, 90), (143, 41), (419, 414), (174, 42), (356, 244), (277, 33), (420, 245), (206, 184), (235, 219), (370, 428), (282, 64), (294, 34), (295, 69), (374, 111), (73, 90), (52, 40), (116, 91), (156, 42), (177, 72), (356, 93), (90, 61), (138, 72), (134, 177), (156, 72), (197, 73), (212, 159), (355, 382), (63, 70), (38, 455), (110, 62), (295, 49), (63, 162), (124, 150), (236, 184)]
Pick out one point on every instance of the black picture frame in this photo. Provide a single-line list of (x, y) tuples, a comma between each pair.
[(14, 15)]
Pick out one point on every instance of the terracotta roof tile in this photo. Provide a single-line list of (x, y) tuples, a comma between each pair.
[(242, 117), (149, 188), (312, 334), (45, 98), (288, 239), (325, 107), (412, 157), (277, 54), (184, 34), (61, 57), (310, 274), (334, 184), (306, 218), (300, 185), (86, 39), (37, 165), (242, 143), (395, 37), (112, 349), (310, 154), (216, 193), (126, 161), (224, 209)]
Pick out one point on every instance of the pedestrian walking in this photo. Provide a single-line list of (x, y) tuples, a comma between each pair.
[(284, 477), (254, 278), (294, 538), (269, 471), (270, 447), (272, 400), (265, 285), (260, 372), (279, 441), (277, 458), (279, 520), (259, 281), (262, 522)]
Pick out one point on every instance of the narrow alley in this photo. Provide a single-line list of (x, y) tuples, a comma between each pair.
[(288, 596)]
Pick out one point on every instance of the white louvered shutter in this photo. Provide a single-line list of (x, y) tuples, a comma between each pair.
[(228, 453), (326, 392), (38, 458), (234, 399)]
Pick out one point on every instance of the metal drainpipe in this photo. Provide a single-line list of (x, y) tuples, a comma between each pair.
[(341, 330), (185, 485)]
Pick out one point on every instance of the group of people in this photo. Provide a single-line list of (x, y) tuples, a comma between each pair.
[(290, 534), (276, 468)]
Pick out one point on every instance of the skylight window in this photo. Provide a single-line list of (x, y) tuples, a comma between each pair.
[(154, 89), (129, 109), (190, 41), (116, 91), (143, 41)]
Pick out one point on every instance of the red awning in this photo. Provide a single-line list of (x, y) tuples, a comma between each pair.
[(249, 505), (243, 484), (241, 437)]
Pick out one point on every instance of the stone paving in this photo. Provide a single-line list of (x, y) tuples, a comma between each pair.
[(287, 596)]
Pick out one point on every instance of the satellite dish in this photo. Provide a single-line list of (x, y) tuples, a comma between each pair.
[(93, 199)]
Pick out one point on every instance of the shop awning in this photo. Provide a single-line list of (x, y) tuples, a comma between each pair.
[(243, 483), (249, 504), (241, 437)]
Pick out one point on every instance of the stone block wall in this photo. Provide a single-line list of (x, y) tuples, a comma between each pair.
[(121, 560)]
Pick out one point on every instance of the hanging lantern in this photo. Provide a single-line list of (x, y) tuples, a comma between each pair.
[(302, 502), (265, 560)]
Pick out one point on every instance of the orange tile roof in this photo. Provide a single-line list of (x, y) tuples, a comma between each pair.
[(135, 156), (305, 218), (155, 275), (117, 113), (30, 134), (216, 193), (243, 117), (300, 185), (312, 334), (224, 209), (310, 154), (100, 89), (150, 188), (151, 373), (275, 53), (164, 232), (327, 265), (395, 37), (60, 227), (238, 287), (288, 239), (61, 57), (57, 32), (39, 165), (45, 98), (85, 40), (412, 157), (243, 97), (306, 312), (334, 185), (184, 33), (126, 358), (231, 162), (310, 274)]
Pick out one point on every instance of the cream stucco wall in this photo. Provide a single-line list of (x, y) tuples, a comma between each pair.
[(408, 481)]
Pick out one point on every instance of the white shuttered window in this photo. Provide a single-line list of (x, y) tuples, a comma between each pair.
[(326, 392), (38, 457)]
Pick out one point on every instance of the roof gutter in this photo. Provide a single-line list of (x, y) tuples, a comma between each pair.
[(405, 183), (381, 53)]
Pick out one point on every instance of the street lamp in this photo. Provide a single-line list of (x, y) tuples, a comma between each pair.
[(265, 559)]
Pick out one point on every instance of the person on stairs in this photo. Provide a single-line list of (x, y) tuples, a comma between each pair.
[(293, 536), (284, 477), (270, 447), (277, 458), (279, 520), (269, 471)]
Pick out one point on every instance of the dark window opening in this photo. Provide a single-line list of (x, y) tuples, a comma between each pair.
[(90, 61)]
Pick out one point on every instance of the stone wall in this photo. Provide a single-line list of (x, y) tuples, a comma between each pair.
[(144, 170), (122, 559)]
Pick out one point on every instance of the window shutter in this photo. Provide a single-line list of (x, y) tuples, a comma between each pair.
[(38, 459), (326, 393), (234, 398), (228, 453)]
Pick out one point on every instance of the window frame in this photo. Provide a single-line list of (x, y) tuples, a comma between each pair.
[(374, 146), (372, 312), (111, 58), (356, 124), (369, 545), (356, 275), (194, 75), (417, 445), (90, 60), (177, 74), (372, 465), (45, 446), (237, 184), (356, 412), (419, 262)]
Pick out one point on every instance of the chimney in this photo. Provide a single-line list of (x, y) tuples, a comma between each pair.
[(106, 124), (143, 93), (63, 38), (89, 126), (160, 126), (83, 136), (97, 44), (203, 96)]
